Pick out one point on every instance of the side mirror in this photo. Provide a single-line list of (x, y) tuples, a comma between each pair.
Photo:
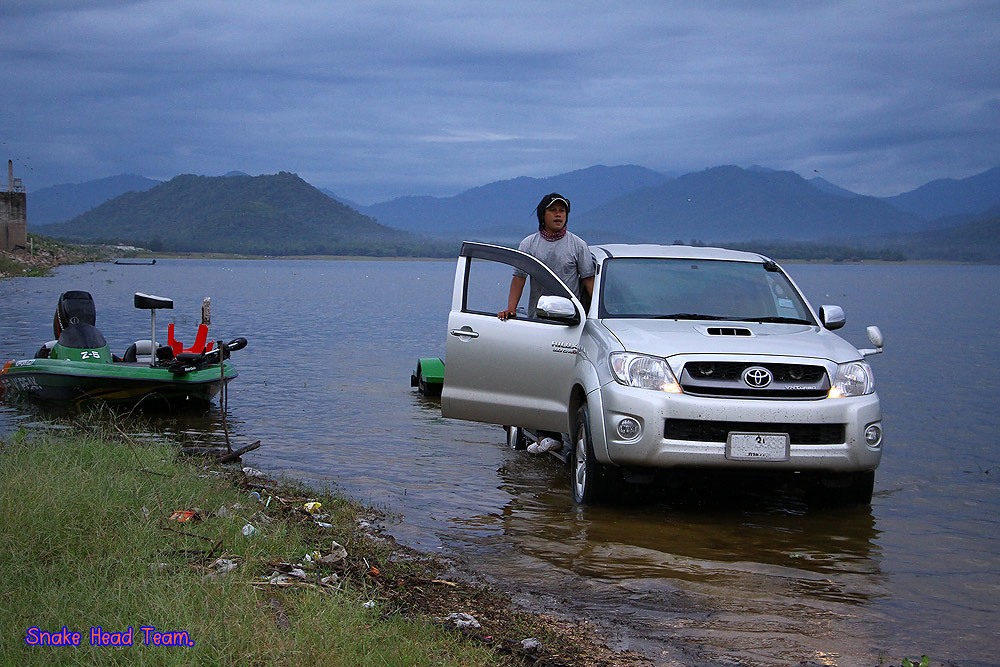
[(557, 308), (875, 336), (832, 317)]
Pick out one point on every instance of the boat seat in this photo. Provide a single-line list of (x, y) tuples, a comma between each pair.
[(151, 302), (142, 350), (198, 347), (45, 351)]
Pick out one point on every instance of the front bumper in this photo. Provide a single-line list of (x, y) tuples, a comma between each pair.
[(825, 434)]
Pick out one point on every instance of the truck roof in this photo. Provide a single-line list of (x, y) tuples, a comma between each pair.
[(605, 251)]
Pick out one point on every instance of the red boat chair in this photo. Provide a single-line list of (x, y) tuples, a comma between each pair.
[(198, 347)]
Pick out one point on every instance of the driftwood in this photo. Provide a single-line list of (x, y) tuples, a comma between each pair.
[(235, 454), (221, 454)]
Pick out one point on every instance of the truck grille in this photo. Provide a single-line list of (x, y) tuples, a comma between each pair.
[(725, 379), (717, 431)]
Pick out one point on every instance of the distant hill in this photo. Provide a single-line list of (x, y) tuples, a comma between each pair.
[(976, 241), (826, 186), (62, 202), (729, 204), (505, 210), (255, 215), (346, 202), (948, 196)]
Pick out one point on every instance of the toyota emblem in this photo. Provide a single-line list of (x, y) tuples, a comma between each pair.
[(757, 377)]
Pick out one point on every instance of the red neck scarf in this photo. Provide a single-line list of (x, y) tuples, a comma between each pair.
[(552, 236)]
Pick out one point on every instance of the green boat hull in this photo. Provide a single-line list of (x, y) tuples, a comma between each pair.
[(77, 367), (428, 377), (116, 383)]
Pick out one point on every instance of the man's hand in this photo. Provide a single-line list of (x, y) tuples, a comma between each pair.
[(509, 313)]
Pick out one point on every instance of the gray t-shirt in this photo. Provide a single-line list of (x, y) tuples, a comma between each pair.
[(569, 258)]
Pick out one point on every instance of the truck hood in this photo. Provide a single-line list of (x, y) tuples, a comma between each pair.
[(666, 338)]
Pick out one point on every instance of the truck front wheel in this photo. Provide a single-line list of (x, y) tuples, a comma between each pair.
[(590, 479)]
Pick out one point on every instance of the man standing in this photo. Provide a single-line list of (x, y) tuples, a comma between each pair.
[(559, 249), (569, 258)]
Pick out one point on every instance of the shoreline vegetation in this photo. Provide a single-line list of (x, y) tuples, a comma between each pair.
[(117, 549), (46, 253)]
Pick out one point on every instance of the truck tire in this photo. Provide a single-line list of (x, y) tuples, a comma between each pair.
[(589, 479), (515, 438)]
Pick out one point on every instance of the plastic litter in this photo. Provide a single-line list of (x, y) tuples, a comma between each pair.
[(463, 620), (337, 554), (312, 507), (294, 575), (221, 566), (249, 530)]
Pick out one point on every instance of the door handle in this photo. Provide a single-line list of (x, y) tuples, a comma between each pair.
[(464, 332)]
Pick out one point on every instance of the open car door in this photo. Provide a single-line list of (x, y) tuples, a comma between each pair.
[(515, 372)]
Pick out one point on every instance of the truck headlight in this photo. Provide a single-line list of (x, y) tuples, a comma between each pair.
[(853, 379), (643, 371)]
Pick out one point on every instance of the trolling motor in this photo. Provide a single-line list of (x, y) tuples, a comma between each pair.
[(186, 362)]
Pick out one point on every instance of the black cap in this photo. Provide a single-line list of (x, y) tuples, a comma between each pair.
[(547, 201)]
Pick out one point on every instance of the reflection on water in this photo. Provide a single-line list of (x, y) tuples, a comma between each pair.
[(730, 572), (718, 574)]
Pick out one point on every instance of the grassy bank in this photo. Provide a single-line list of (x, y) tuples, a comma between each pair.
[(43, 254), (88, 539)]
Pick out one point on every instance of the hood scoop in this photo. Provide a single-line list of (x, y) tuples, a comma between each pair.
[(728, 331)]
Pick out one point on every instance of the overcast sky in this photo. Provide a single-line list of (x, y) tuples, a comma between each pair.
[(377, 99)]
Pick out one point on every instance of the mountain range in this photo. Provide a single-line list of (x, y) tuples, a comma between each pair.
[(253, 215), (725, 205)]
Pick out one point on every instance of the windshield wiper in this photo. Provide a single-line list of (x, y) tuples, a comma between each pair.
[(690, 316), (775, 320)]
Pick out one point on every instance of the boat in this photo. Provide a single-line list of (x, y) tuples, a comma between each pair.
[(428, 377), (78, 368)]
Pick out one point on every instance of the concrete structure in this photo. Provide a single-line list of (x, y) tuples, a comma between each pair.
[(13, 214)]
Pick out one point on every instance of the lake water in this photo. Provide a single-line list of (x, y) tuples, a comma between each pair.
[(736, 577)]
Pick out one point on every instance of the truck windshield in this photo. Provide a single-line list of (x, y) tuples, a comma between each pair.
[(698, 289)]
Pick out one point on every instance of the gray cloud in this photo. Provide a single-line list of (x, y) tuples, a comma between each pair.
[(382, 99)]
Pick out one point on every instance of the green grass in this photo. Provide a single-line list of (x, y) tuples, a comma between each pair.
[(85, 541)]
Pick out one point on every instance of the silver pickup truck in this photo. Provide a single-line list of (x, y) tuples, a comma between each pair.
[(685, 358)]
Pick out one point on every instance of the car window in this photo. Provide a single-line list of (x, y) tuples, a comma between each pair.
[(487, 286), (653, 287)]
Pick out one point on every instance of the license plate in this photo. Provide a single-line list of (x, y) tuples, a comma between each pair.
[(757, 447)]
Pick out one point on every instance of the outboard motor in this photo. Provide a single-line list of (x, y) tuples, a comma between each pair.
[(73, 324), (74, 307)]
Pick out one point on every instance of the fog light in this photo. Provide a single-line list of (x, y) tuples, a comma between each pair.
[(873, 435), (628, 429)]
